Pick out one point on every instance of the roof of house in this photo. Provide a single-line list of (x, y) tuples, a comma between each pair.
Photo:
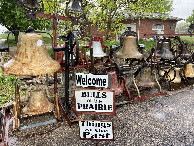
[(152, 16)]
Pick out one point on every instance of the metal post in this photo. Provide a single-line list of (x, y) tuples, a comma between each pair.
[(92, 61), (67, 76), (55, 45), (155, 52)]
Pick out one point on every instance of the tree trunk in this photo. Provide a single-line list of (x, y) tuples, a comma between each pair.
[(16, 34)]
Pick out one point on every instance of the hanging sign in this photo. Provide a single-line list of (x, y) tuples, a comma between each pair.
[(94, 101), (96, 130), (90, 80)]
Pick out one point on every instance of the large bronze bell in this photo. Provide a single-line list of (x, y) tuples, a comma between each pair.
[(97, 49), (174, 75), (129, 49), (189, 71), (145, 78), (165, 52), (31, 58), (38, 104), (115, 86)]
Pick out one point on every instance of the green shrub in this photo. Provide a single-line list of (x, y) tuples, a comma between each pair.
[(51, 53), (148, 44), (7, 88)]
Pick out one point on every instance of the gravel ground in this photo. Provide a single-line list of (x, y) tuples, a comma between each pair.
[(164, 120)]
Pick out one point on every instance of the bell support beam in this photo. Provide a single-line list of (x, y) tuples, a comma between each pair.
[(51, 16), (54, 17), (165, 35)]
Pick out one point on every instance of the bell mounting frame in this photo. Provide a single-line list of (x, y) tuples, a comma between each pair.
[(31, 7)]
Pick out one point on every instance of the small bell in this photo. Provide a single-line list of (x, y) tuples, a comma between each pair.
[(145, 79), (114, 83), (97, 49), (38, 104), (174, 75), (75, 6), (31, 4), (129, 49), (189, 71)]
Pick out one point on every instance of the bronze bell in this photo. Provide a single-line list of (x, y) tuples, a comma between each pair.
[(38, 104), (165, 52), (145, 78), (129, 49), (174, 75), (189, 71), (31, 58), (115, 86)]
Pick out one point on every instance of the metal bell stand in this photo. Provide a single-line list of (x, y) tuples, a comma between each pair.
[(17, 104)]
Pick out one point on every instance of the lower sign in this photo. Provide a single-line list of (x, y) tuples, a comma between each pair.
[(91, 101), (96, 130)]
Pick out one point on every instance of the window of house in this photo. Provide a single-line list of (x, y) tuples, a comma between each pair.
[(172, 27), (157, 27)]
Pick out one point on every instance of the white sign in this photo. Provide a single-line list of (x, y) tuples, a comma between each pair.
[(100, 101), (96, 130), (90, 80)]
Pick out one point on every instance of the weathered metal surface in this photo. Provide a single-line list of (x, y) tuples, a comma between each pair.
[(129, 49), (37, 104), (145, 78), (189, 71), (115, 86), (31, 58)]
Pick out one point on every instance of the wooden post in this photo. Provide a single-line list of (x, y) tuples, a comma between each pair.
[(16, 106), (57, 106)]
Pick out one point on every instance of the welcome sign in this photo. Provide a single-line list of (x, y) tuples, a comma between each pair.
[(90, 80)]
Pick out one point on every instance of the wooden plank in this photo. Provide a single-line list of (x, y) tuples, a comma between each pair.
[(51, 16)]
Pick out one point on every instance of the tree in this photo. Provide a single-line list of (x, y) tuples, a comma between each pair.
[(182, 27), (107, 14), (190, 19), (14, 18)]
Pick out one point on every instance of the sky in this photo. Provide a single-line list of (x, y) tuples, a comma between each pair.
[(182, 9)]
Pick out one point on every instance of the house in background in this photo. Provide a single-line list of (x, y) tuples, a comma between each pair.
[(151, 24)]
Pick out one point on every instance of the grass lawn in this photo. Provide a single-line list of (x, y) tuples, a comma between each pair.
[(12, 41), (187, 39)]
